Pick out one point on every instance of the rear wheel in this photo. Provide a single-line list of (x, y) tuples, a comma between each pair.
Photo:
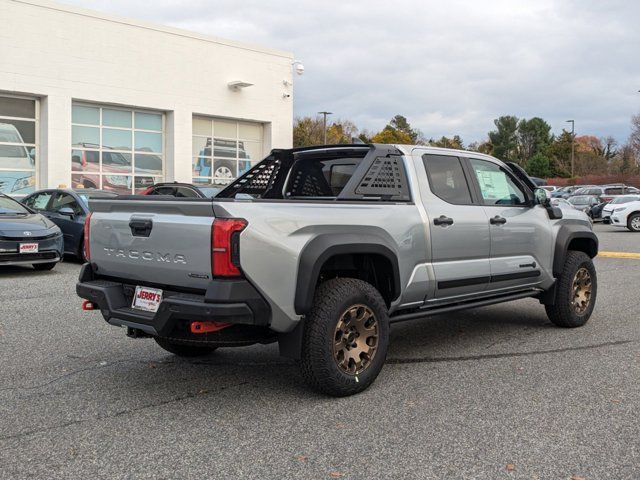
[(183, 349), (345, 338), (44, 266), (633, 222), (576, 291)]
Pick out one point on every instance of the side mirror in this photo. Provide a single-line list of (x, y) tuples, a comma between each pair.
[(541, 197), (66, 211)]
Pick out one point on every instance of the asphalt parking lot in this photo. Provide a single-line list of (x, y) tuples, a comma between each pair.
[(493, 393)]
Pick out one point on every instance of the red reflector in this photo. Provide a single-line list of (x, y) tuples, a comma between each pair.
[(207, 327), (225, 246), (87, 234), (87, 305)]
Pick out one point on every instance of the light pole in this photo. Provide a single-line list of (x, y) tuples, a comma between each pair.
[(324, 124), (573, 142)]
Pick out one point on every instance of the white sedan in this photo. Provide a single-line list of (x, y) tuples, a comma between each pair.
[(616, 203), (627, 215)]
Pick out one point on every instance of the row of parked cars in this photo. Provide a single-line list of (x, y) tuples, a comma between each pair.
[(616, 204), (42, 227)]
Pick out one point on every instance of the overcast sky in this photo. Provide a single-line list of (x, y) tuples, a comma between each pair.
[(450, 67)]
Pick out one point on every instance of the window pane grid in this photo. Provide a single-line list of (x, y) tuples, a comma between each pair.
[(221, 150), (18, 144), (132, 162)]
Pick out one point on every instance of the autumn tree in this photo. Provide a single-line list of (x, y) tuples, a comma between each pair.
[(446, 142), (560, 154), (341, 131), (307, 131), (401, 124), (392, 135)]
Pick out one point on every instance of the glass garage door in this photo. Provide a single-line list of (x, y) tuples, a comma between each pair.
[(224, 149), (116, 149), (18, 145)]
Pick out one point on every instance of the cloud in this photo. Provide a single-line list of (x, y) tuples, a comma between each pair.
[(449, 67)]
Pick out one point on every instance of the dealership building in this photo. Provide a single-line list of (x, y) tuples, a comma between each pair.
[(94, 100)]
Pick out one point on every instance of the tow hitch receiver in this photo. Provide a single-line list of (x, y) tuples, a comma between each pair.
[(88, 305), (207, 327)]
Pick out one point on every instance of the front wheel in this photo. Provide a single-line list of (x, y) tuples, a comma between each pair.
[(345, 337), (576, 291), (183, 349), (633, 222)]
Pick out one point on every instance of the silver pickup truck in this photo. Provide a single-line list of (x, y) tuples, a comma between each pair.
[(322, 248)]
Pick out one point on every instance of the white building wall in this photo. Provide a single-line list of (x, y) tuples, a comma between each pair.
[(60, 54)]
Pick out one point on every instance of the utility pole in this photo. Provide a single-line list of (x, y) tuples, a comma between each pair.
[(324, 124), (573, 142)]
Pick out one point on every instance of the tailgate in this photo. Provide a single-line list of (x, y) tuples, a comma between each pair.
[(165, 242)]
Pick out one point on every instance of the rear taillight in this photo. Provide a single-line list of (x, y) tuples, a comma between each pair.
[(225, 246), (87, 233), (147, 191)]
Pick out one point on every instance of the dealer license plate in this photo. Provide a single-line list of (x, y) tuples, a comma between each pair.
[(28, 248), (147, 299)]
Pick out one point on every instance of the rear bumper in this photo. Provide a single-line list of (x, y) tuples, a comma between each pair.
[(233, 301)]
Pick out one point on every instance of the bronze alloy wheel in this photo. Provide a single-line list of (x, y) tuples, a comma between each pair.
[(581, 291), (356, 339)]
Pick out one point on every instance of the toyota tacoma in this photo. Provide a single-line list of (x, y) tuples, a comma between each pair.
[(321, 249)]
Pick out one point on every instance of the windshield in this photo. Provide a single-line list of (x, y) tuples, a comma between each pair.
[(580, 200), (8, 206), (624, 200)]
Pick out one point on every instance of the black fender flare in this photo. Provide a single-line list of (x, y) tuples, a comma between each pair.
[(324, 246), (566, 234)]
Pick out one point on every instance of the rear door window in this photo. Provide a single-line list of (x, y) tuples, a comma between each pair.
[(447, 179)]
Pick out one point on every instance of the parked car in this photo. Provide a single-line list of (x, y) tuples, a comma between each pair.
[(15, 157), (176, 189), (227, 167), (589, 204), (627, 215), (561, 203), (321, 248), (566, 192), (615, 203), (606, 193), (26, 237), (68, 209), (549, 188), (116, 169)]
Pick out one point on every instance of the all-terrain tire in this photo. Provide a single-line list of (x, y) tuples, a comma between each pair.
[(183, 349), (334, 301), (570, 310), (633, 222)]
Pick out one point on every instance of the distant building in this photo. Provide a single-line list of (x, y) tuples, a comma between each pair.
[(103, 101)]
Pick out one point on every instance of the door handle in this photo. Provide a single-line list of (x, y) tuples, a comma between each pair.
[(497, 220), (141, 227), (442, 220)]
